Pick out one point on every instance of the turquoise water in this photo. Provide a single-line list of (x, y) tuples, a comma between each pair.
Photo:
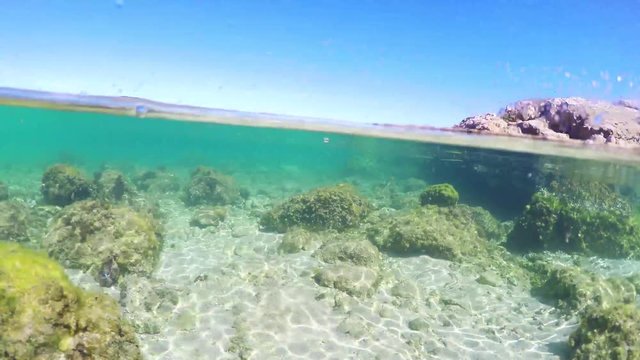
[(494, 274)]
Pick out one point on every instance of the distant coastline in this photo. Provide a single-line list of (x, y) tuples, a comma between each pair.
[(481, 133)]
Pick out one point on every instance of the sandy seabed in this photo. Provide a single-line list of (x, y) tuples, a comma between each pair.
[(239, 298)]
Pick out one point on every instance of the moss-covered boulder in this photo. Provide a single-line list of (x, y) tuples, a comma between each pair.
[(607, 333), (112, 185), (440, 232), (208, 217), (210, 187), (14, 221), (440, 195), (159, 181), (336, 207), (99, 238), (64, 184), (43, 316), (593, 221), (571, 288), (4, 191)]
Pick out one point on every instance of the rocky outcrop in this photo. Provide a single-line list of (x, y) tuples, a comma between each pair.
[(564, 118)]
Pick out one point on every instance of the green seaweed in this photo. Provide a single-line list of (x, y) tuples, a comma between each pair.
[(592, 221), (90, 234), (440, 195), (336, 207), (210, 187), (607, 333), (64, 184), (43, 316)]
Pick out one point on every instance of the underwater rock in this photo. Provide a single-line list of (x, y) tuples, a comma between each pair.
[(439, 232), (357, 281), (44, 316), (208, 217), (357, 252), (64, 184), (612, 333), (14, 221), (587, 219), (88, 234), (210, 187), (158, 181), (4, 192), (298, 239), (572, 288), (112, 185), (440, 195), (336, 207), (149, 303)]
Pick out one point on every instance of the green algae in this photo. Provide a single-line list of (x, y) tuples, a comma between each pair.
[(440, 195), (573, 289), (336, 207), (44, 316), (607, 333), (210, 187), (591, 220), (88, 234), (63, 184)]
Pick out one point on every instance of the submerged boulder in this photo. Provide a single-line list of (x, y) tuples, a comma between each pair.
[(208, 217), (64, 184), (607, 333), (43, 316), (99, 238), (357, 251), (440, 195), (112, 185), (336, 207), (587, 219), (440, 232), (210, 187), (157, 181), (14, 221), (574, 289), (298, 239)]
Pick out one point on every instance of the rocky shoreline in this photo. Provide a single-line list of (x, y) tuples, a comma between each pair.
[(563, 119)]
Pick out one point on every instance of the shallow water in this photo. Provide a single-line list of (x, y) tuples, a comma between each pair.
[(238, 295)]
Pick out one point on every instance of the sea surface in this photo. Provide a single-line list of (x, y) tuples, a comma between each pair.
[(238, 293)]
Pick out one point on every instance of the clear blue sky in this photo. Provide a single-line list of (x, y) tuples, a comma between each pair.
[(431, 62)]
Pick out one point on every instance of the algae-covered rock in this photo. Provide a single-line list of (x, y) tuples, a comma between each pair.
[(158, 181), (89, 235), (210, 187), (149, 303), (572, 288), (14, 221), (4, 191), (43, 316), (440, 232), (296, 240), (208, 217), (357, 252), (112, 185), (607, 333), (440, 195), (64, 184), (592, 221), (358, 281), (329, 208)]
